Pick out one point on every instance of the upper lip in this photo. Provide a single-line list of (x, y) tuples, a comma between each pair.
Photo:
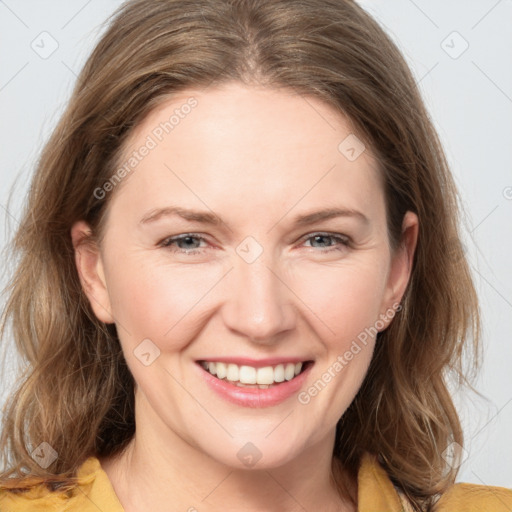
[(256, 363)]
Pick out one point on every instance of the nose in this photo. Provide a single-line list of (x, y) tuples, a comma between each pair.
[(259, 302)]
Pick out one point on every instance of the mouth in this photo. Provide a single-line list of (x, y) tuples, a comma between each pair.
[(262, 377)]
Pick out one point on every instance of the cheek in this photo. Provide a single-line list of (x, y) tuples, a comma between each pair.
[(158, 302), (345, 299), (166, 303)]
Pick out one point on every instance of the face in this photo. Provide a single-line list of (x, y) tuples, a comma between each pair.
[(249, 239)]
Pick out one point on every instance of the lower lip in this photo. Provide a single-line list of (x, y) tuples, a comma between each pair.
[(255, 397)]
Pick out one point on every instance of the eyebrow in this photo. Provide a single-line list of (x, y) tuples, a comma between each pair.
[(204, 217)]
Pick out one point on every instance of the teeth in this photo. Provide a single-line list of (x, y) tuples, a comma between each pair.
[(233, 373), (261, 386), (222, 370), (289, 371), (265, 375), (279, 373), (249, 376)]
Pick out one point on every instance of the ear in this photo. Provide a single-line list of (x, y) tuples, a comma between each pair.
[(401, 267), (91, 272)]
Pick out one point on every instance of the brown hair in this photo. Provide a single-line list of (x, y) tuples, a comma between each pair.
[(77, 393)]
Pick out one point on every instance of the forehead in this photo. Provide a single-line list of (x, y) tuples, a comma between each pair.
[(247, 146)]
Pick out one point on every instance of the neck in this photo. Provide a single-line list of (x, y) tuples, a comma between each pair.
[(160, 469)]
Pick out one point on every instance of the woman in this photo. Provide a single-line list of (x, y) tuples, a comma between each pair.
[(234, 290)]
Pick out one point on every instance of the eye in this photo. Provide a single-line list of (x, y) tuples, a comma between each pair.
[(337, 242), (189, 243)]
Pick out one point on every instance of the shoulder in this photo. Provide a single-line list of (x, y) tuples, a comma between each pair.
[(463, 497), (91, 492), (475, 498), (377, 492), (37, 498)]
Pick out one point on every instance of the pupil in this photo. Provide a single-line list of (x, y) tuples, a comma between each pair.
[(317, 237), (188, 239)]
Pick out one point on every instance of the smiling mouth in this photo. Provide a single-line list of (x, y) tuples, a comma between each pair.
[(251, 377)]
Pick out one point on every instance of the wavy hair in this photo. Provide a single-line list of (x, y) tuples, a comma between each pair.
[(76, 392)]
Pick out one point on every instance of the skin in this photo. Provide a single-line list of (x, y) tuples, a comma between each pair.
[(256, 158)]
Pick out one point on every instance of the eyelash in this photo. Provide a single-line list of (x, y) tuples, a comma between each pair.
[(344, 242)]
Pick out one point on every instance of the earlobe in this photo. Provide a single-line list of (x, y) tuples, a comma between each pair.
[(90, 270), (401, 263)]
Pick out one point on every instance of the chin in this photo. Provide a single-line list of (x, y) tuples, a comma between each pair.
[(254, 455)]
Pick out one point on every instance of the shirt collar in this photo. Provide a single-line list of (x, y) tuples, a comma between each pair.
[(375, 491)]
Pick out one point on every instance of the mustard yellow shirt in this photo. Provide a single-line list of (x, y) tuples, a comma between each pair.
[(376, 493)]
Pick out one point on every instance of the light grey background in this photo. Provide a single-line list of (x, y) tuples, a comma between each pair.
[(467, 90)]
